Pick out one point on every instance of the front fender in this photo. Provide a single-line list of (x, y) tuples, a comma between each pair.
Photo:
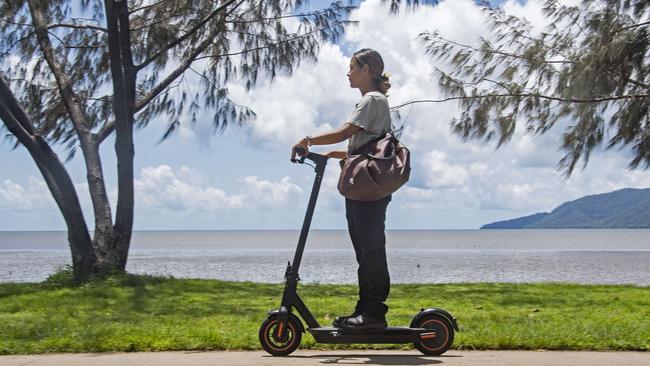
[(425, 312), (273, 313)]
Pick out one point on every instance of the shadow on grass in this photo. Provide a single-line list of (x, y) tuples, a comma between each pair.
[(17, 289)]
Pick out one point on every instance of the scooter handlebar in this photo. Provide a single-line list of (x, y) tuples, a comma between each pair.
[(316, 158), (301, 152)]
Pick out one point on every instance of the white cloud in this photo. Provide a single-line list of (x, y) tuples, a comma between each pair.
[(310, 100), (178, 196), (160, 187), (34, 196), (454, 184), (447, 173), (439, 174), (265, 194), (187, 190)]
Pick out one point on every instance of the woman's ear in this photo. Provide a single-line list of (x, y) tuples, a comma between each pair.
[(365, 68)]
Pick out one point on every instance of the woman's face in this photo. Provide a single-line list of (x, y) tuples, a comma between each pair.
[(357, 73)]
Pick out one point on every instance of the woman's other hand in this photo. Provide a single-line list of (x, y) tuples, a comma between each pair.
[(337, 154)]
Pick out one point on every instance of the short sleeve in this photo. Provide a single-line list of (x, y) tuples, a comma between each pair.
[(361, 114)]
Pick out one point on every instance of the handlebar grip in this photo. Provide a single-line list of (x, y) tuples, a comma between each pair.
[(300, 151)]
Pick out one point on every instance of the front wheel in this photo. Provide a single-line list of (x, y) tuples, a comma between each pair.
[(444, 335), (275, 346)]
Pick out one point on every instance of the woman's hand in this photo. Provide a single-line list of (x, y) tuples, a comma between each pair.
[(330, 137), (304, 144)]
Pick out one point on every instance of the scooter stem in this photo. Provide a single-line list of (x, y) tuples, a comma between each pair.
[(321, 162)]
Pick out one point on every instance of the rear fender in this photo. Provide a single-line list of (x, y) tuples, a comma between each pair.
[(426, 312)]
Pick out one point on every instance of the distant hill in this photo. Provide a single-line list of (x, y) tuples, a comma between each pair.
[(625, 208), (517, 223)]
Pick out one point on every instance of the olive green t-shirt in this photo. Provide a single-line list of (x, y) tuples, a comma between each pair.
[(372, 114)]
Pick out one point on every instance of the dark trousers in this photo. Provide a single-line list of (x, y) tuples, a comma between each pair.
[(366, 224)]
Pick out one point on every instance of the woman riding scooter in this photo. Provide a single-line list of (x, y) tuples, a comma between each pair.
[(366, 219)]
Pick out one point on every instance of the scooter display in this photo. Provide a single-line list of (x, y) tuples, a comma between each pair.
[(431, 330)]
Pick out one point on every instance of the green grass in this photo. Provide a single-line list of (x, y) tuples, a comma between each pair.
[(142, 313)]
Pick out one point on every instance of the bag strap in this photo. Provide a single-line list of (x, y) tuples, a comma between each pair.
[(393, 139)]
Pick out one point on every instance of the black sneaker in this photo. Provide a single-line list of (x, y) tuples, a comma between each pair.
[(362, 322), (339, 320)]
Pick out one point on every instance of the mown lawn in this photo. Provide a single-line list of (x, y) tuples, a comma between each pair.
[(143, 313)]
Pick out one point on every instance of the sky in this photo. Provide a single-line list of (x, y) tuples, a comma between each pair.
[(243, 180)]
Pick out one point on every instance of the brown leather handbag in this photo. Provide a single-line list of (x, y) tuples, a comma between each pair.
[(376, 170)]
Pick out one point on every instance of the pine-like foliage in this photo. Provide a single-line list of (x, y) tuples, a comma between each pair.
[(408, 4), (170, 40), (76, 72), (588, 66)]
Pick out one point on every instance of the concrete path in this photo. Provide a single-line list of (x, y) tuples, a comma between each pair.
[(348, 357)]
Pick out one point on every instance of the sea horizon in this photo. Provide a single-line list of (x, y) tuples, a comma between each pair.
[(588, 256)]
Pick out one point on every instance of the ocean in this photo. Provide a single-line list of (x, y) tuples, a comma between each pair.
[(414, 256)]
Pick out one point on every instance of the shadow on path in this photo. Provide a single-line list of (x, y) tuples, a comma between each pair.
[(365, 359)]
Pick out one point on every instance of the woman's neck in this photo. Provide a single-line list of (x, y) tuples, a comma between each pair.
[(365, 90)]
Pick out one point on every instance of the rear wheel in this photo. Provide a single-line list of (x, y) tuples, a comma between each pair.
[(444, 335), (275, 346)]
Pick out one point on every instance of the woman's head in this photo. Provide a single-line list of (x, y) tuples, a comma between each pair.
[(367, 65)]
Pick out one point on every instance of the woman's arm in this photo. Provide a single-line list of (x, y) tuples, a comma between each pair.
[(337, 154), (326, 138), (334, 136)]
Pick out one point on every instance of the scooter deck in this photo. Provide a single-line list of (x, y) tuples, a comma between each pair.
[(384, 335)]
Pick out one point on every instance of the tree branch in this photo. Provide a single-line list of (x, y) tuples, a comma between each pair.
[(521, 34), (14, 113), (60, 25), (56, 177), (213, 84), (632, 26), (147, 6), (638, 83), (63, 81), (104, 99), (174, 74), (67, 46), (273, 44), (526, 95), (86, 46), (157, 21), (493, 51), (15, 23), (318, 12), (105, 131), (8, 51), (180, 39), (185, 64), (77, 26), (467, 83)]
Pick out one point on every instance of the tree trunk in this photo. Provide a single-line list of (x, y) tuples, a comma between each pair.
[(65, 195), (104, 237), (106, 258), (56, 177), (124, 77)]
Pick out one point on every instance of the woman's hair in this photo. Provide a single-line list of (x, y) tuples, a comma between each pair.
[(375, 63)]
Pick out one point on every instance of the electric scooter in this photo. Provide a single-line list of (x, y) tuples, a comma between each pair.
[(431, 330)]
